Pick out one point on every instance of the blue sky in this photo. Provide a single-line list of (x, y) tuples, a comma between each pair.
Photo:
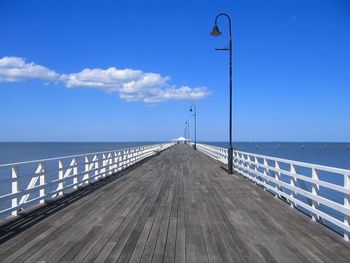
[(291, 70)]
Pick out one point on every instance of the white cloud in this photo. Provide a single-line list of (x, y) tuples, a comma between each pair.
[(16, 69), (133, 85), (129, 84)]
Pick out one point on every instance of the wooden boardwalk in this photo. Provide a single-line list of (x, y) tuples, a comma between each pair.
[(179, 206)]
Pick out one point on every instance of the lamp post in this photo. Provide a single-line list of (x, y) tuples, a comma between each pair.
[(193, 108), (216, 32), (187, 123)]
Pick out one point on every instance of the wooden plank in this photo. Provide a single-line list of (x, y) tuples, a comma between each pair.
[(180, 247), (170, 248), (142, 240), (159, 251), (125, 245), (191, 250), (149, 249)]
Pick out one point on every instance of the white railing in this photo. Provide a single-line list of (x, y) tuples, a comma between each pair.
[(25, 184), (320, 191), (217, 153)]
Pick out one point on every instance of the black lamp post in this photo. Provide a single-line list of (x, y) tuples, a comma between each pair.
[(187, 123), (193, 108), (216, 32)]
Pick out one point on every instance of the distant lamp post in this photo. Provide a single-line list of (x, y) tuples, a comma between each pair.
[(187, 123), (216, 32), (193, 108)]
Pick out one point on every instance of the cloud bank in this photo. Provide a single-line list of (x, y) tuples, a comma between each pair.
[(16, 69), (129, 84)]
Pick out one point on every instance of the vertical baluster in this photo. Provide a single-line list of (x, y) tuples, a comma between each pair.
[(60, 176), (246, 164), (14, 201), (133, 156), (87, 170), (315, 191), (249, 165), (104, 166), (256, 167), (234, 159), (97, 172), (278, 178), (293, 170), (42, 183), (125, 157), (120, 161), (115, 162), (139, 154), (75, 173), (346, 204), (266, 172), (239, 162), (111, 166)]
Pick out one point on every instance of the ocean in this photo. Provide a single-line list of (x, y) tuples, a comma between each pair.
[(325, 153)]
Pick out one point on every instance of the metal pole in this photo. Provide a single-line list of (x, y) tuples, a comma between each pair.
[(188, 130), (195, 125), (230, 149)]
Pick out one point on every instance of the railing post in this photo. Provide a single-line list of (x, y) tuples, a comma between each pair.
[(14, 201), (266, 172), (75, 173), (125, 153), (120, 161), (278, 178), (256, 168), (314, 190), (134, 153), (246, 164), (346, 204), (60, 176), (104, 166), (87, 170), (138, 151), (110, 164), (42, 183), (292, 183), (115, 162), (96, 166)]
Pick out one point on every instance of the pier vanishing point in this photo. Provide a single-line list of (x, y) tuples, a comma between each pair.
[(170, 203)]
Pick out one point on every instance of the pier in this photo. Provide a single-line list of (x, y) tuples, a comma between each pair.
[(177, 206)]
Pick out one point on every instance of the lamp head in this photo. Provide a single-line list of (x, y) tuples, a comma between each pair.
[(216, 31)]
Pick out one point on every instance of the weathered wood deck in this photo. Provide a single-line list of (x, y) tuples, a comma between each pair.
[(179, 206)]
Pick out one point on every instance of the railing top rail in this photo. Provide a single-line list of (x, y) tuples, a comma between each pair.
[(212, 146), (298, 163), (73, 156)]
